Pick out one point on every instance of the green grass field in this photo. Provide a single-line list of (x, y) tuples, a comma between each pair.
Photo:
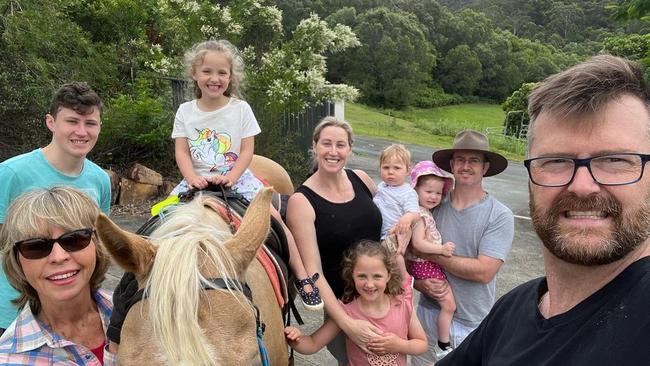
[(434, 127)]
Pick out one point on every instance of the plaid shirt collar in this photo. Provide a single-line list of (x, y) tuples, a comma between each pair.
[(30, 334)]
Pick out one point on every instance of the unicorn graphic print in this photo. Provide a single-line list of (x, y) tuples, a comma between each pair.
[(212, 149)]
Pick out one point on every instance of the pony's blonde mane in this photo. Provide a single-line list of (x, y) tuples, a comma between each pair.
[(187, 242)]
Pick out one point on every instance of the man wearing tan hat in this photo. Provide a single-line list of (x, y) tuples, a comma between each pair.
[(588, 147), (482, 229)]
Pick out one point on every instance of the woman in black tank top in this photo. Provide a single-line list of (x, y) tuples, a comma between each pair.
[(331, 211), (339, 225)]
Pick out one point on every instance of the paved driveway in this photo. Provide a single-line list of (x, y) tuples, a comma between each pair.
[(510, 187)]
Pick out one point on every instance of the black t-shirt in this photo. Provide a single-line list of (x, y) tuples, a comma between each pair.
[(610, 327), (339, 225)]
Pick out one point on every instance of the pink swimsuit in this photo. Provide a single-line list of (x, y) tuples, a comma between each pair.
[(421, 268)]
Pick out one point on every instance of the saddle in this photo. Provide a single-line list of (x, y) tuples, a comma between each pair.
[(274, 253)]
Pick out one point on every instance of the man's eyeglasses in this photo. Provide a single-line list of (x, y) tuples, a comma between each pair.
[(71, 241), (609, 170), (470, 161)]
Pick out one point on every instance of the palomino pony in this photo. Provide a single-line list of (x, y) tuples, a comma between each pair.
[(273, 173), (185, 316)]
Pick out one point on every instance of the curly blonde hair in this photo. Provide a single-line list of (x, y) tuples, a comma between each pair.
[(369, 248), (194, 58)]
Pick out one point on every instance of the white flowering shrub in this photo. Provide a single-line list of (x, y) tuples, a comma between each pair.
[(158, 62), (299, 65), (281, 74), (122, 48)]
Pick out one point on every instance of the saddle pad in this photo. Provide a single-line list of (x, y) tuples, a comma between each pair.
[(281, 271), (269, 267)]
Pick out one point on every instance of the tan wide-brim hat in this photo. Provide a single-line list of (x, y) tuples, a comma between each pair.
[(475, 141)]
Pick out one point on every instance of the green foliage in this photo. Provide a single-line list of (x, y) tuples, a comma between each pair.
[(515, 146), (136, 129), (550, 21), (379, 67), (460, 70), (39, 50), (484, 48), (515, 41), (433, 17), (500, 73), (292, 77), (518, 101), (280, 145), (22, 107), (435, 127), (516, 108), (566, 19), (469, 28), (633, 46), (294, 11), (121, 48), (431, 98), (627, 10)]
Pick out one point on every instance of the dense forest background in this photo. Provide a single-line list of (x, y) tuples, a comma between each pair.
[(386, 53), (418, 52)]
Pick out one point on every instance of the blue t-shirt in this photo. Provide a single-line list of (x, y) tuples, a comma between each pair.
[(29, 171)]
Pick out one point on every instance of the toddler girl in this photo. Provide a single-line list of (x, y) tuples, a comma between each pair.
[(431, 184), (374, 291), (214, 139)]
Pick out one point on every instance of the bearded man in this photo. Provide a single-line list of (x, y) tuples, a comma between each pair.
[(588, 145)]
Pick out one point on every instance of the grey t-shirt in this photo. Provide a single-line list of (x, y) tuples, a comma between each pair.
[(486, 228)]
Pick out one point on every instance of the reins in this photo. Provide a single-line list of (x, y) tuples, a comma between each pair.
[(219, 283), (187, 196)]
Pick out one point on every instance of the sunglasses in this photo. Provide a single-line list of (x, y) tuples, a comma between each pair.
[(71, 241)]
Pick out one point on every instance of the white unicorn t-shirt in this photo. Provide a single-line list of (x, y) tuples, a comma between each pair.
[(214, 137)]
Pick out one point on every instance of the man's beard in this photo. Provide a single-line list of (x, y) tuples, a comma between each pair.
[(577, 246)]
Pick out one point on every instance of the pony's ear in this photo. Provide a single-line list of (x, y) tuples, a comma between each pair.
[(131, 252), (253, 230)]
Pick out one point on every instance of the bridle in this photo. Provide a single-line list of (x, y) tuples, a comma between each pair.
[(218, 283)]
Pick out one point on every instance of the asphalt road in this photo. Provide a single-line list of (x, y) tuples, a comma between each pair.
[(510, 187)]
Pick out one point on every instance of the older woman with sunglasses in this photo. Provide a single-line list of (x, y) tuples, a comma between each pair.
[(53, 258)]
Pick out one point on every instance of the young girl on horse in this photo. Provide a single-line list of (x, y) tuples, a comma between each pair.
[(377, 289), (214, 138)]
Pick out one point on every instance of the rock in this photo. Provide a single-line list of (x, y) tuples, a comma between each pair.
[(167, 187), (141, 174), (132, 192), (115, 185)]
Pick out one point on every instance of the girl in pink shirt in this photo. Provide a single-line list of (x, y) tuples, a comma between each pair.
[(374, 291)]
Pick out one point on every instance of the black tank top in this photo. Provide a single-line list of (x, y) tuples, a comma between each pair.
[(339, 225)]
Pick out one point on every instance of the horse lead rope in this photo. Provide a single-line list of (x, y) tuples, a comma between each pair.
[(231, 222), (229, 283)]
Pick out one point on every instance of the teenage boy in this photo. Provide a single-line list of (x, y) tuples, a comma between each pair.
[(75, 123)]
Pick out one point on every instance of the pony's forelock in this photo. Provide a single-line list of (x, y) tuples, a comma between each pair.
[(186, 235)]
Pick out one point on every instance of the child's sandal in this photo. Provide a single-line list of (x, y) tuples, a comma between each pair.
[(311, 300)]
